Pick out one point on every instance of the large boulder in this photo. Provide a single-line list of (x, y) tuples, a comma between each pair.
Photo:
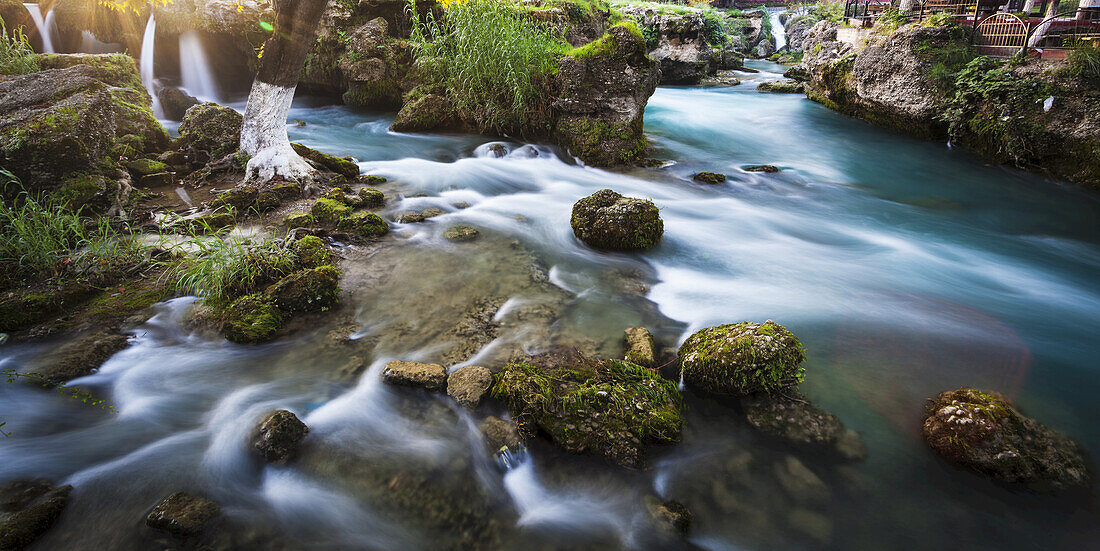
[(599, 96), (278, 436), (175, 102), (612, 408), (609, 221), (742, 358), (27, 509), (681, 45), (81, 357), (72, 116), (984, 432), (183, 515), (212, 128)]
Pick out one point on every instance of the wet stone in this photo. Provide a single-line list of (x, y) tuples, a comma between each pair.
[(500, 434), (468, 385), (278, 436), (770, 169), (461, 233), (793, 419), (183, 515), (28, 508), (640, 347), (432, 377), (709, 177), (414, 217)]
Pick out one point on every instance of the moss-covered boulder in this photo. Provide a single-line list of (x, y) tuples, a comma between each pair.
[(312, 252), (329, 211), (609, 221), (742, 358), (241, 197), (309, 290), (364, 224), (343, 167), (212, 128), (709, 178), (785, 86), (983, 431), (252, 319), (640, 347), (612, 408), (145, 167), (428, 112), (371, 197), (28, 508), (278, 436)]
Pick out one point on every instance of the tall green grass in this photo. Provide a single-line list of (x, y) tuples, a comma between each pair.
[(225, 266), (16, 55), (491, 57), (1084, 63)]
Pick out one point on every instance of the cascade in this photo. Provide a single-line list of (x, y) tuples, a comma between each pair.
[(195, 71), (44, 26), (146, 65)]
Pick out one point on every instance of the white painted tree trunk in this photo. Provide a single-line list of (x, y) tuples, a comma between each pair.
[(1041, 31), (263, 135), (1029, 6), (906, 6)]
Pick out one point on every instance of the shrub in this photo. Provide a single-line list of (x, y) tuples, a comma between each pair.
[(1084, 63), (491, 57), (16, 55)]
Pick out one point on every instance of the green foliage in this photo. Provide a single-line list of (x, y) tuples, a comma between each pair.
[(1084, 63), (828, 10), (490, 57), (941, 19), (225, 266), (946, 60), (715, 32), (78, 394), (41, 240), (16, 55), (891, 19)]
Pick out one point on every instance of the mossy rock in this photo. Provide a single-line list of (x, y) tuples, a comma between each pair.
[(607, 220), (370, 180), (210, 222), (212, 128), (343, 167), (461, 233), (742, 358), (28, 508), (329, 211), (709, 178), (143, 167), (240, 197), (287, 190), (311, 290), (785, 86), (983, 432), (768, 169), (267, 200), (364, 224), (312, 252), (298, 219), (611, 408), (20, 310), (252, 319), (371, 198)]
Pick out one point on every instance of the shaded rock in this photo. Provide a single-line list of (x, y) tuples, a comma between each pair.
[(298, 219), (792, 419), (770, 169), (709, 178), (680, 44), (183, 515), (412, 217), (800, 482), (212, 128), (175, 102), (343, 167), (428, 112), (500, 434), (607, 220), (461, 233), (781, 86), (811, 524), (364, 224), (611, 408), (798, 73), (311, 290), (432, 377), (984, 432), (671, 517), (468, 385), (144, 167), (240, 197), (742, 358), (312, 252), (252, 319), (81, 357), (278, 436), (640, 348), (28, 508), (370, 180)]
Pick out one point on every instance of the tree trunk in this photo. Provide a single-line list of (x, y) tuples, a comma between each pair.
[(263, 134), (1041, 30), (1029, 6), (906, 6)]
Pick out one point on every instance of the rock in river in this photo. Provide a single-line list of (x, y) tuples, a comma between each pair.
[(742, 358), (640, 347), (468, 385), (27, 509), (607, 220), (984, 432), (793, 419), (429, 376), (278, 437), (182, 514)]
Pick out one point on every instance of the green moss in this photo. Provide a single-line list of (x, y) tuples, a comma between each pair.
[(371, 197), (298, 219), (126, 300), (460, 233), (252, 319), (146, 166), (371, 180), (364, 224), (312, 252), (115, 69), (742, 358), (709, 177), (310, 290), (82, 190), (343, 167), (329, 211)]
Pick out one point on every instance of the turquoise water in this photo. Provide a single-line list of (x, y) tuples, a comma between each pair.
[(906, 268)]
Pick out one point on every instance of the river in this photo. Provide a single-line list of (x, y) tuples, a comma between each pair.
[(905, 267)]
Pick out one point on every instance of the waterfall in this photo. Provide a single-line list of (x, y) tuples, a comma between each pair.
[(44, 26), (146, 66), (195, 71), (89, 44), (779, 32)]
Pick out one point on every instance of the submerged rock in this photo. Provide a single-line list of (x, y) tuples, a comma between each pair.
[(640, 347), (709, 178), (468, 385), (611, 408), (183, 515), (500, 434), (432, 377), (609, 221), (28, 508), (781, 86), (413, 217), (671, 517), (791, 418), (460, 233), (212, 128), (278, 436), (770, 169), (984, 432), (742, 358), (81, 357)]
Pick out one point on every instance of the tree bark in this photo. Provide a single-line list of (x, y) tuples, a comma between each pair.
[(1041, 30), (906, 6), (263, 133), (1029, 6)]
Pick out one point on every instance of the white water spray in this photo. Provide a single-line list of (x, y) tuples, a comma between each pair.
[(195, 71), (44, 26), (779, 32), (147, 45)]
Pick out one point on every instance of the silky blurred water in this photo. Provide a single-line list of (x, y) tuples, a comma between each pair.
[(905, 267)]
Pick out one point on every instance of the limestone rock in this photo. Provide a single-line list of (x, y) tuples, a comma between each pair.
[(432, 377), (278, 436), (607, 220), (500, 434), (468, 385), (212, 128), (640, 347)]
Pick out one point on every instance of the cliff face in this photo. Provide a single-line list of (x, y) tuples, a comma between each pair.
[(929, 82)]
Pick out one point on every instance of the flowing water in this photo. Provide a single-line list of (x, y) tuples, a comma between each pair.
[(198, 79), (146, 63), (905, 268), (779, 32), (44, 26)]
